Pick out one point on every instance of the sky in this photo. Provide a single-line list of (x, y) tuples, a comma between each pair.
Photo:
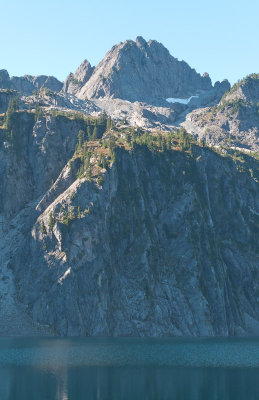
[(53, 37)]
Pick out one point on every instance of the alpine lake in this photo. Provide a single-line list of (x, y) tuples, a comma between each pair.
[(129, 369)]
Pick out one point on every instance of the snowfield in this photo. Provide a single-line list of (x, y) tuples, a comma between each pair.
[(182, 101)]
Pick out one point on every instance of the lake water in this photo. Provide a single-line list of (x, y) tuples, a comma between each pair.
[(129, 369)]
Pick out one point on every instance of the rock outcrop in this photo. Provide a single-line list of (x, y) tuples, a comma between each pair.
[(5, 96), (234, 122), (76, 81), (4, 79), (247, 90)]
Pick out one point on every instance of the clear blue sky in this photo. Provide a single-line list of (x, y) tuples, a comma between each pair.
[(52, 37)]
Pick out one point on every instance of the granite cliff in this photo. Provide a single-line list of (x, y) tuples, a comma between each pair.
[(117, 220), (129, 234)]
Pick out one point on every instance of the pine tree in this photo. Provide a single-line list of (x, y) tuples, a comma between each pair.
[(51, 221), (109, 124), (102, 118), (38, 112), (81, 139), (87, 160), (89, 131), (13, 106), (95, 133), (163, 144)]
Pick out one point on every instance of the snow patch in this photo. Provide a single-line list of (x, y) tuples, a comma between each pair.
[(182, 101), (68, 271)]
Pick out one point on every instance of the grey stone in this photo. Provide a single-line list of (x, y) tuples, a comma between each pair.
[(28, 84), (168, 246), (76, 81), (234, 122), (143, 71)]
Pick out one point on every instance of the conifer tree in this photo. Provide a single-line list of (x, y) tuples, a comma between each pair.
[(12, 108), (95, 133), (38, 112), (102, 118), (109, 124), (89, 131), (81, 139)]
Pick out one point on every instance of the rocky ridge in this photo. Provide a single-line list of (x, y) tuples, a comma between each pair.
[(142, 72), (28, 84), (234, 122)]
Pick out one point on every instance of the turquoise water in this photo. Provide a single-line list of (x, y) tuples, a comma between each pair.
[(115, 369)]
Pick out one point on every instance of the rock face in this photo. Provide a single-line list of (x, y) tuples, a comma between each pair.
[(76, 81), (61, 102), (5, 97), (247, 90), (35, 150), (4, 79), (159, 253), (40, 149), (143, 71), (210, 97), (139, 114), (164, 244), (28, 84), (234, 122)]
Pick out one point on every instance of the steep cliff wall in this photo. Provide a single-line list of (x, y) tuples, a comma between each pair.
[(141, 240)]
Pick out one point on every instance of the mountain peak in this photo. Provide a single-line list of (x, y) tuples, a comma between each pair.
[(84, 71), (76, 81), (143, 71), (140, 41)]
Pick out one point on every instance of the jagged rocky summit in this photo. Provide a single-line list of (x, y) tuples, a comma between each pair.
[(137, 81), (130, 225), (142, 71), (76, 81)]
